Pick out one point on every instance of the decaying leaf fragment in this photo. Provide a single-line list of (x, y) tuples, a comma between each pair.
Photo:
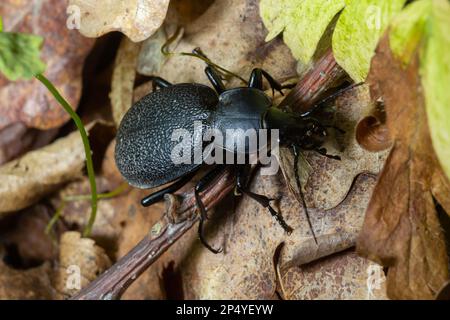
[(342, 276), (25, 180), (137, 19), (26, 284), (122, 82), (401, 228), (80, 262)]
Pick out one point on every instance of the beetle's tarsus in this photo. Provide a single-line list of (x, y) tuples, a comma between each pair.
[(323, 152), (203, 240)]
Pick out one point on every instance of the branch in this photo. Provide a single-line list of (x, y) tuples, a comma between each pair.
[(180, 216), (325, 74)]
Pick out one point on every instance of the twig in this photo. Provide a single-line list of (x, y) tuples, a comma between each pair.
[(325, 74), (180, 216)]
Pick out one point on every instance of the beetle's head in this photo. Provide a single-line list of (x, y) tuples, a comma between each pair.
[(313, 135)]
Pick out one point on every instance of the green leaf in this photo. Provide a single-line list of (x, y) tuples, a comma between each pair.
[(435, 70), (19, 55), (407, 30), (303, 21), (358, 32)]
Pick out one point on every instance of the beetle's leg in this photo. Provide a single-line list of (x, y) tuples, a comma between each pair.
[(159, 195), (158, 82), (300, 191), (215, 79), (256, 81), (201, 186), (323, 152), (241, 185)]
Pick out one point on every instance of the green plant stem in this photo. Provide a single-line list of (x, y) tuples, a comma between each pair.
[(100, 196), (66, 199), (87, 149)]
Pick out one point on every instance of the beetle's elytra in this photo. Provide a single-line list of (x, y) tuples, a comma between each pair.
[(144, 140)]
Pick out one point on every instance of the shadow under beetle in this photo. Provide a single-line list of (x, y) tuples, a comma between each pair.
[(144, 144)]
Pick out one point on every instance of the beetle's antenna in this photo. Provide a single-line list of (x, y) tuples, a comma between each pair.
[(197, 54), (340, 92), (302, 197)]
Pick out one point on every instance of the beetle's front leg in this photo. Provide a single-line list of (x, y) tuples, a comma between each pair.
[(256, 81), (323, 152), (241, 185)]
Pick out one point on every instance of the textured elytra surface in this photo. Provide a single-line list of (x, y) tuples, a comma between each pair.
[(144, 140)]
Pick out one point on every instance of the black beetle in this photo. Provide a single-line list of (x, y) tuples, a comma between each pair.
[(144, 140)]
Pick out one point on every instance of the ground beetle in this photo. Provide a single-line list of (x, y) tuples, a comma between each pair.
[(144, 143)]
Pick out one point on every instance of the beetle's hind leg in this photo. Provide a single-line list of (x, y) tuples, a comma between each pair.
[(242, 178), (158, 82), (201, 186), (215, 79), (256, 81), (159, 195)]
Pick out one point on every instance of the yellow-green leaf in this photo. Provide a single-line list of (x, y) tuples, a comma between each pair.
[(358, 31), (19, 55), (407, 30), (424, 27), (303, 21)]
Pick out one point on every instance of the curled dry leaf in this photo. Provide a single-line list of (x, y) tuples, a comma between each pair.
[(137, 19), (372, 135), (343, 276), (122, 82), (29, 101), (37, 173), (401, 228), (80, 262)]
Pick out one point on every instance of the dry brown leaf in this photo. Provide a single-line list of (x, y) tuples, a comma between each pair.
[(26, 284), (343, 276), (27, 179), (78, 255), (64, 52), (137, 19), (24, 238), (232, 35), (16, 139), (401, 229), (122, 82)]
